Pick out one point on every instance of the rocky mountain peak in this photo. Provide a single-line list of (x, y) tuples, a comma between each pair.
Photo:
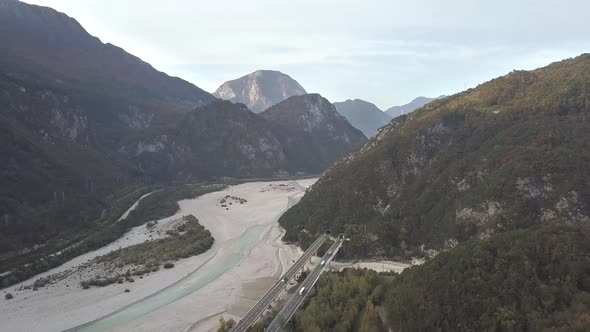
[(260, 89), (308, 112), (318, 119)]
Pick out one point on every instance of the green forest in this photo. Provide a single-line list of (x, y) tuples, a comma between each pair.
[(343, 301)]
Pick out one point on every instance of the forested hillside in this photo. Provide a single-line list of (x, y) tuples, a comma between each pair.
[(534, 279), (511, 153), (345, 301), (526, 280)]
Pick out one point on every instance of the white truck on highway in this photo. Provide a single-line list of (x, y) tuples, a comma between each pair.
[(301, 290)]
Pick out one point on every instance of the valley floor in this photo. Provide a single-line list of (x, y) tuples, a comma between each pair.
[(246, 258)]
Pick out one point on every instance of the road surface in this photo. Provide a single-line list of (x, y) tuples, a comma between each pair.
[(297, 298), (259, 308)]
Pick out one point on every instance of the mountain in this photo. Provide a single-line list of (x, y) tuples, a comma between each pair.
[(48, 47), (67, 101), (415, 104), (511, 153), (54, 172), (363, 115), (260, 89), (312, 118), (224, 139)]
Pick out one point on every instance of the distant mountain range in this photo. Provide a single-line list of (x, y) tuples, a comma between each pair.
[(363, 115), (260, 89), (415, 104), (265, 88)]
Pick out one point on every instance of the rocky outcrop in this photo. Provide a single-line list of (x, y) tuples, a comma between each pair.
[(48, 114)]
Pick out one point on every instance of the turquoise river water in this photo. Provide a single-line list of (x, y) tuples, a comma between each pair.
[(198, 279)]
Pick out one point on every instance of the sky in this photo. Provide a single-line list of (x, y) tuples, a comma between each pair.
[(383, 51)]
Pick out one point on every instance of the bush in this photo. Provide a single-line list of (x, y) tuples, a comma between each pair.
[(8, 296), (127, 290), (171, 233), (168, 265)]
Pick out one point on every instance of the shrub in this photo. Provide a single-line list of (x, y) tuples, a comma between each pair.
[(168, 265), (171, 233), (8, 296), (127, 290)]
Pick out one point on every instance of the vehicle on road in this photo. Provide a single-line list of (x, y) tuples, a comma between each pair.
[(302, 290), (322, 263)]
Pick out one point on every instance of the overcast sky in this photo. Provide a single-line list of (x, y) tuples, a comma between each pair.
[(383, 51)]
